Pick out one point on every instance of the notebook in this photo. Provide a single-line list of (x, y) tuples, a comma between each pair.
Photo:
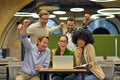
[(62, 62)]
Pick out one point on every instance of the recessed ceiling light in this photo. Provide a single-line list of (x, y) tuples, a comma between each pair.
[(109, 11), (63, 18), (76, 9), (102, 16), (59, 12), (102, 0), (50, 8)]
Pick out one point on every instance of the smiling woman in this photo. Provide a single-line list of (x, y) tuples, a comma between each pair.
[(62, 50), (85, 54)]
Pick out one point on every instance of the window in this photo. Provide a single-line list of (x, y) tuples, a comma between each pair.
[(99, 25)]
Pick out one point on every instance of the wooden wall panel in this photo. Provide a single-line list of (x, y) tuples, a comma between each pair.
[(7, 10)]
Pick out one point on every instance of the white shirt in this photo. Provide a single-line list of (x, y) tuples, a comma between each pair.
[(70, 45)]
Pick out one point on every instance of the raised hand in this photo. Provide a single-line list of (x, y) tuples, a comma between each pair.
[(62, 25), (26, 22), (20, 26)]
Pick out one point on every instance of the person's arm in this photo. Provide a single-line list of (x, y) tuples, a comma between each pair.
[(30, 29), (23, 35), (91, 53), (56, 28), (46, 62), (77, 57), (53, 51)]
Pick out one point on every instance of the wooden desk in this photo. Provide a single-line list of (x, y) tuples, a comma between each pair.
[(3, 63), (42, 72)]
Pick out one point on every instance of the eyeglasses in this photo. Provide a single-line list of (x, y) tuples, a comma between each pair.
[(45, 19), (70, 28), (62, 41), (70, 25)]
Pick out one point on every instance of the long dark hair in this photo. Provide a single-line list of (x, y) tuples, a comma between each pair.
[(58, 49)]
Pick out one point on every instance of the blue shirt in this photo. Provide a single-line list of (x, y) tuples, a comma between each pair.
[(34, 57)]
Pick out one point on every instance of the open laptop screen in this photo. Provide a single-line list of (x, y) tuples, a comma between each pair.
[(62, 62)]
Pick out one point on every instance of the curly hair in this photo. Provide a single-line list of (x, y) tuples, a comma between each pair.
[(83, 34)]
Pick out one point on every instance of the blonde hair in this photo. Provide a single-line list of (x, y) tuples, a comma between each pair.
[(43, 12)]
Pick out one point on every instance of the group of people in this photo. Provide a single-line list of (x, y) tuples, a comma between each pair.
[(76, 42)]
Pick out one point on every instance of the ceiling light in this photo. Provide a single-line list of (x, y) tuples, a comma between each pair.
[(23, 14), (26, 14), (102, 16), (63, 18), (35, 15), (52, 16), (59, 12), (50, 8), (76, 9), (102, 0), (109, 11)]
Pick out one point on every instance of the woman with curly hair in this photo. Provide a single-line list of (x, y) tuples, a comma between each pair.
[(85, 53)]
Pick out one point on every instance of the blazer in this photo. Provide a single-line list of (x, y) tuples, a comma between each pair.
[(89, 54)]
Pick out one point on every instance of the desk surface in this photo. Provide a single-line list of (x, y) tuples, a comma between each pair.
[(50, 70), (62, 70), (3, 63), (117, 62), (11, 64)]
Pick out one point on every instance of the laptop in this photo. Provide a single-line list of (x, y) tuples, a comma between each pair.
[(62, 62)]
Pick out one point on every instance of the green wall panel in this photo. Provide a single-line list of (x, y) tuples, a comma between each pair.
[(104, 45), (53, 41), (118, 45)]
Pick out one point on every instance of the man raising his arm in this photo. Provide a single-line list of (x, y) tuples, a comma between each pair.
[(37, 56)]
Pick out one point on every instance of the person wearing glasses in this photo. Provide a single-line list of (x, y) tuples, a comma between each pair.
[(62, 51), (85, 54), (40, 28), (70, 25), (37, 56)]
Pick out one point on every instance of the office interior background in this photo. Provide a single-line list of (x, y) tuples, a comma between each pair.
[(105, 24), (102, 25)]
